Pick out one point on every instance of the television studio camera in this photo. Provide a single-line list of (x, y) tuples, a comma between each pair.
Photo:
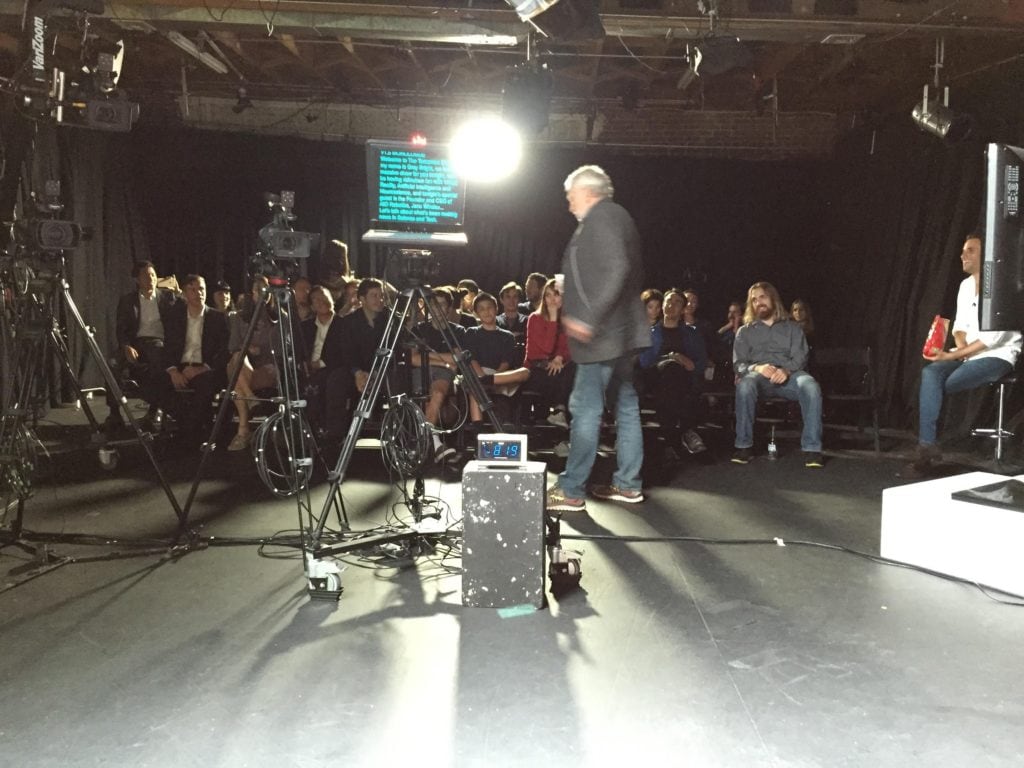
[(52, 83)]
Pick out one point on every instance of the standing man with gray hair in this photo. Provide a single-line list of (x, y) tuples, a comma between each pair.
[(605, 321)]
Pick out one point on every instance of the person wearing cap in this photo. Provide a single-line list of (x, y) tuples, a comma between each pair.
[(222, 297)]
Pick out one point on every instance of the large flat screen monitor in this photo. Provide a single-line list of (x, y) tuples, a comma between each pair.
[(1002, 272), (413, 187)]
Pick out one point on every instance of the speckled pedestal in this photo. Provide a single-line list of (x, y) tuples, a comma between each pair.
[(503, 540)]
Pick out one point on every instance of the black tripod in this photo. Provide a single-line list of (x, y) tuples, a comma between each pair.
[(36, 332), (285, 434), (406, 303)]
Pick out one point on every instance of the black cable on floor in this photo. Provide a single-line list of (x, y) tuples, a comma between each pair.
[(986, 589)]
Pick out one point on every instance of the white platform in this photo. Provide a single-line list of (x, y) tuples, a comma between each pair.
[(922, 525)]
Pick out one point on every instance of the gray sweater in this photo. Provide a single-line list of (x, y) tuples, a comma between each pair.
[(782, 344)]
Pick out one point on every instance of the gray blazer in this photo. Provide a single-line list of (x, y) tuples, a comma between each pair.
[(603, 280)]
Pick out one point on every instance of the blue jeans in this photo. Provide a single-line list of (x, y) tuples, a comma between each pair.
[(947, 376), (595, 381), (801, 387)]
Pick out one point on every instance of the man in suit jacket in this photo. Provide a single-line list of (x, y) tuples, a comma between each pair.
[(196, 352), (329, 380), (606, 324), (139, 326)]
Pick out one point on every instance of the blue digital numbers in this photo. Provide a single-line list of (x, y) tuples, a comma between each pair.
[(501, 450)]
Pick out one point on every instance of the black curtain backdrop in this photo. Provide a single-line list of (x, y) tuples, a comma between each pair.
[(870, 239)]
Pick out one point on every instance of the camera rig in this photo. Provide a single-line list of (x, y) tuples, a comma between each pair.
[(81, 93), (280, 247)]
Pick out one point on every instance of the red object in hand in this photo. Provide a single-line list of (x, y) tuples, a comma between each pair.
[(936, 339)]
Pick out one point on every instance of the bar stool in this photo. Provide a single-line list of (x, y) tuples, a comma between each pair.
[(999, 432)]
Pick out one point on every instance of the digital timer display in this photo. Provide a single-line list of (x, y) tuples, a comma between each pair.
[(501, 448)]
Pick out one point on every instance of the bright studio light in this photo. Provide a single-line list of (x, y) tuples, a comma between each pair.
[(486, 149)]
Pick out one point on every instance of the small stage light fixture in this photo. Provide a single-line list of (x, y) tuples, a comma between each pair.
[(567, 20), (938, 119)]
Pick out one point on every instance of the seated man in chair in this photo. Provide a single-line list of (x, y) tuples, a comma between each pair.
[(977, 358), (197, 353), (140, 337), (769, 357), (329, 388)]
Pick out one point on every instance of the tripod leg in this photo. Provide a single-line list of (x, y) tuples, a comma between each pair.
[(364, 408), (61, 348), (115, 389), (225, 403), (469, 378)]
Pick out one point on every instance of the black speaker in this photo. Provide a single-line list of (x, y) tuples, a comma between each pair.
[(503, 534), (526, 96)]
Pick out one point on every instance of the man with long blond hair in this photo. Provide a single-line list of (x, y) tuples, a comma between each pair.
[(769, 357), (778, 308)]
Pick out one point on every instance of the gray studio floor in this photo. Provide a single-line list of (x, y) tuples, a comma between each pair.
[(685, 653)]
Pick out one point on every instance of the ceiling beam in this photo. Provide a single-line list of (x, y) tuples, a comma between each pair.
[(437, 22)]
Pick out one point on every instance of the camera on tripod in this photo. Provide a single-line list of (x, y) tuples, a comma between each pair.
[(52, 235), (42, 233), (278, 241)]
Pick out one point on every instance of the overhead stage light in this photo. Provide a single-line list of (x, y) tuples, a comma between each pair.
[(569, 20), (938, 119), (935, 116)]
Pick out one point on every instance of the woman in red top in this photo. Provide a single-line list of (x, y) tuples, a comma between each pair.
[(547, 355)]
